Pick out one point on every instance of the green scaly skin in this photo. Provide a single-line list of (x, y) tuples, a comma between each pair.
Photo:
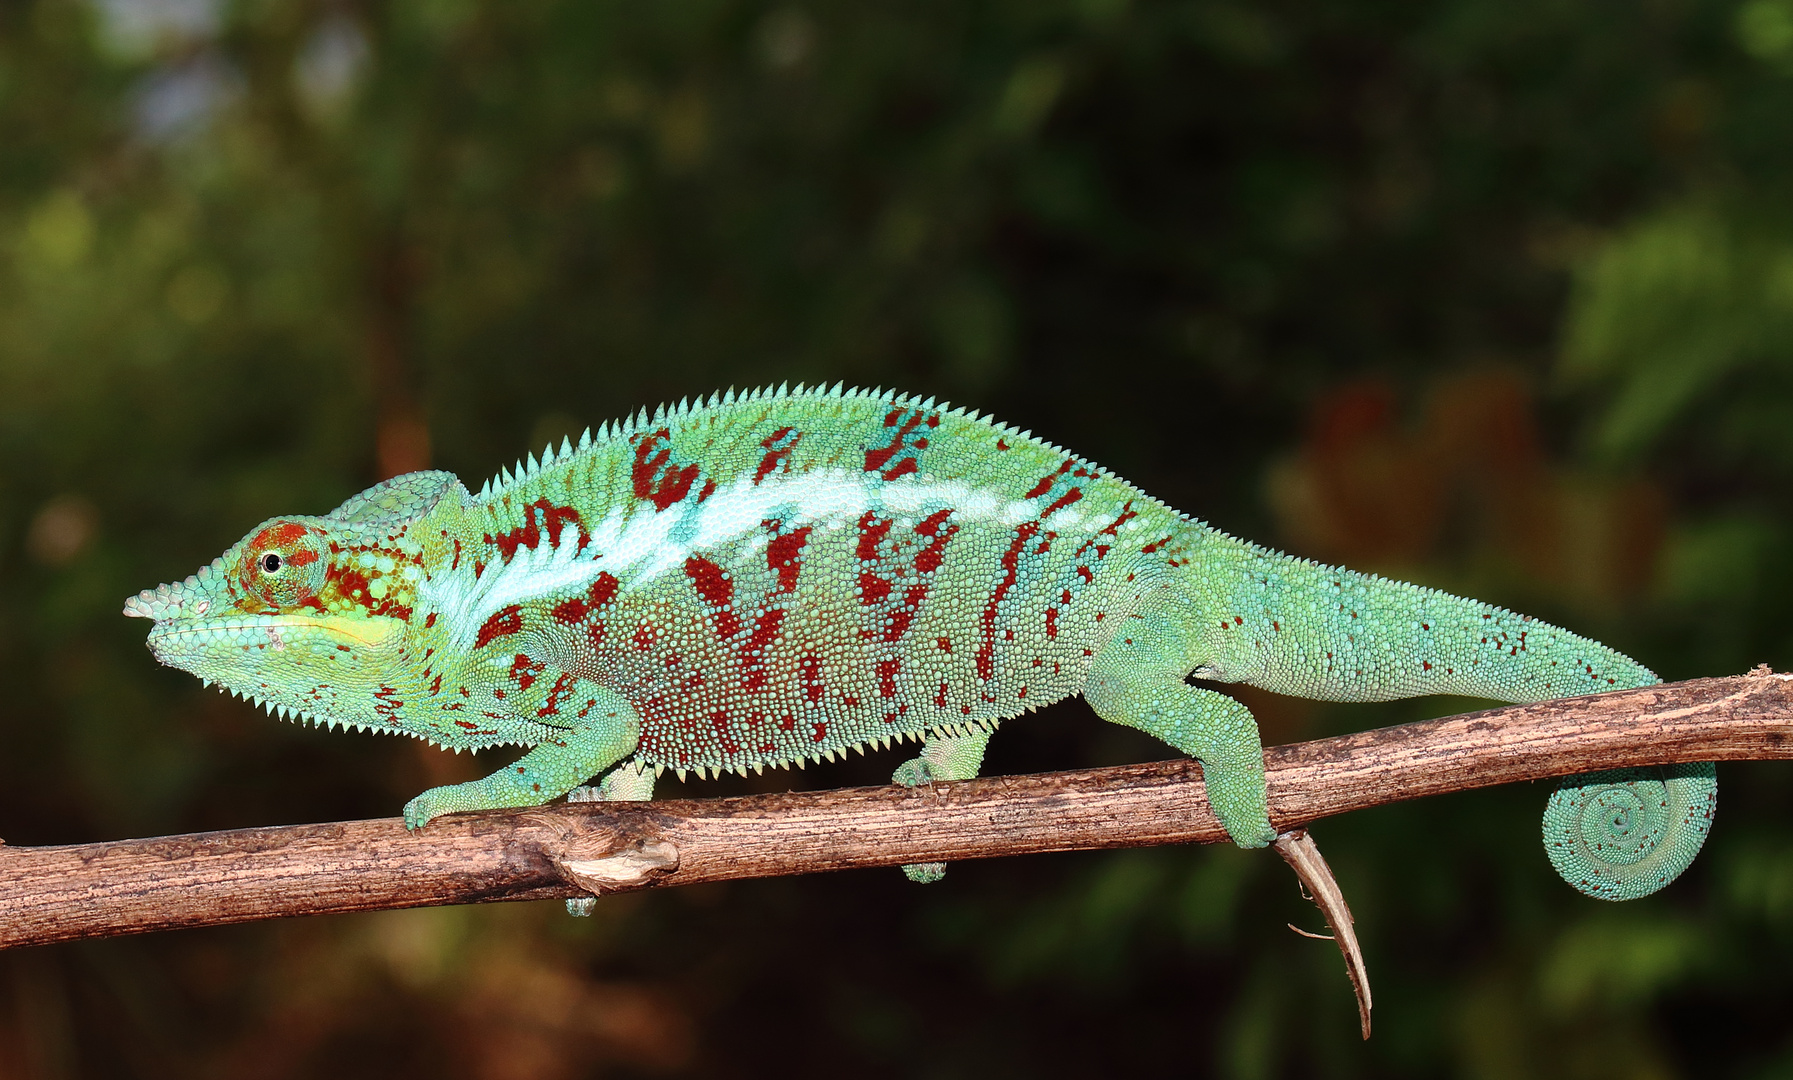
[(778, 576)]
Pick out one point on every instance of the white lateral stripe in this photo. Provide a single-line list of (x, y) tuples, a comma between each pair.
[(636, 542), (466, 602)]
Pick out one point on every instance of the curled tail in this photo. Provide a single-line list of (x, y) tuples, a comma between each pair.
[(1621, 834), (1624, 833)]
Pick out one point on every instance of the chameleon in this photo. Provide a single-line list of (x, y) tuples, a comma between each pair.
[(779, 576)]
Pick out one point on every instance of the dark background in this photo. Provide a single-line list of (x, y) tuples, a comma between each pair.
[(1496, 295)]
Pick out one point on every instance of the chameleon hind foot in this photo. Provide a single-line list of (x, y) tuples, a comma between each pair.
[(1138, 682), (632, 781), (942, 757)]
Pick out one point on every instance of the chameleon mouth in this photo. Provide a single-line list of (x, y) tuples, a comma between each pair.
[(179, 612), (270, 631)]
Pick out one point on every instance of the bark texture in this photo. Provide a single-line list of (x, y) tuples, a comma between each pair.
[(50, 894)]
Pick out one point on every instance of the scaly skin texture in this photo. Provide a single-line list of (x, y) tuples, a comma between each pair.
[(779, 576)]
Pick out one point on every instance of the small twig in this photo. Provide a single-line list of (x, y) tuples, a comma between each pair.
[(94, 890), (1298, 849)]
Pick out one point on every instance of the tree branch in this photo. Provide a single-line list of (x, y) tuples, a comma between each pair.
[(50, 894)]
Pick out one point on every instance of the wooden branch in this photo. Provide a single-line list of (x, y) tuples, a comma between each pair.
[(52, 894), (1298, 849)]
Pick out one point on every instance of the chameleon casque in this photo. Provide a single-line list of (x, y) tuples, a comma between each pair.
[(780, 575)]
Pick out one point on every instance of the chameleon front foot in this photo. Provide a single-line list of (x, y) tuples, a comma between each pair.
[(437, 801), (606, 730), (516, 785), (916, 772)]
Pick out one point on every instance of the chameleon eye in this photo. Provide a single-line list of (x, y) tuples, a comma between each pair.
[(284, 565)]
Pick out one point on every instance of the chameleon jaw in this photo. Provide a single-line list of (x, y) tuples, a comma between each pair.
[(264, 652), (273, 630), (317, 668)]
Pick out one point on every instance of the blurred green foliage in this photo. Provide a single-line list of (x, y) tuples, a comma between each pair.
[(1498, 296)]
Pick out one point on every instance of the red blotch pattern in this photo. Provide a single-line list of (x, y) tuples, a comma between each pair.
[(503, 622), (898, 457), (804, 636), (655, 476), (540, 518)]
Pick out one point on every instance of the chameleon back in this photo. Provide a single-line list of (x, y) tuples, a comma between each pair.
[(776, 578)]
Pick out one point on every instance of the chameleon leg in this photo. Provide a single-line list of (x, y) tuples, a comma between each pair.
[(1138, 681), (607, 731), (632, 781), (943, 757)]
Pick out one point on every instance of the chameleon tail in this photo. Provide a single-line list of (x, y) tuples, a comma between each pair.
[(1624, 833), (1613, 835)]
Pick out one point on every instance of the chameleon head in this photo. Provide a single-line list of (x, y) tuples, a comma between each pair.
[(304, 615)]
